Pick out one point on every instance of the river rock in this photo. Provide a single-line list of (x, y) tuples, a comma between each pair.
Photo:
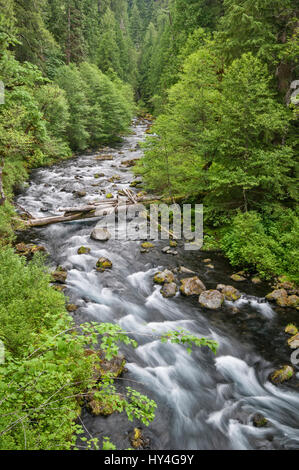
[(72, 308), (146, 246), (192, 286), (59, 275), (256, 280), (83, 250), (169, 290), (100, 234), (294, 341), (259, 421), (280, 296), (291, 330), (137, 439), (211, 299), (229, 292), (293, 301), (80, 193), (28, 250), (164, 277), (103, 264), (185, 270), (238, 278), (282, 375)]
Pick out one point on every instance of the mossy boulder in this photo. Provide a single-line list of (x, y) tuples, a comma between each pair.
[(169, 290), (291, 330), (192, 286), (83, 250), (229, 292), (259, 421), (146, 247), (103, 264), (211, 299), (283, 299), (60, 275), (29, 250), (109, 196), (164, 277), (238, 278), (293, 301), (72, 307), (137, 439), (282, 375), (256, 280), (173, 243)]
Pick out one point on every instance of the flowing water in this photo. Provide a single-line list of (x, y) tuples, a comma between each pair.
[(204, 401)]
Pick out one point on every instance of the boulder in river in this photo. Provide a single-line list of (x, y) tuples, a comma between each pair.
[(211, 299), (294, 341), (28, 250), (59, 275), (238, 278), (192, 286), (282, 375), (164, 277), (229, 292), (146, 246), (185, 270), (103, 264), (291, 329), (83, 250), (100, 234), (72, 308), (259, 421), (137, 439), (169, 290), (281, 297)]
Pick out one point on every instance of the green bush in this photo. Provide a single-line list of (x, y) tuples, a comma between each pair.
[(268, 244)]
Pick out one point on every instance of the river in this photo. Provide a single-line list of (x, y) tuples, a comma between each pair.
[(204, 401)]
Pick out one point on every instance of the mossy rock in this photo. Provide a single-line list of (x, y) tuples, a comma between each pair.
[(147, 245), (109, 196), (282, 375), (238, 278), (291, 330), (83, 250), (173, 243), (259, 421), (164, 277), (103, 264), (72, 307), (137, 439), (229, 292), (60, 275)]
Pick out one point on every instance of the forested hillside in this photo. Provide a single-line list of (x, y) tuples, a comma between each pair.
[(219, 78)]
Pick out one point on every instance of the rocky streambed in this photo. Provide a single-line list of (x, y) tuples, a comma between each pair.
[(227, 401)]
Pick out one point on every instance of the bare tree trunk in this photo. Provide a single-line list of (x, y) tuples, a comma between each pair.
[(68, 46)]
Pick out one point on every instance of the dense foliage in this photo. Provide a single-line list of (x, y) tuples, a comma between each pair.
[(226, 134)]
